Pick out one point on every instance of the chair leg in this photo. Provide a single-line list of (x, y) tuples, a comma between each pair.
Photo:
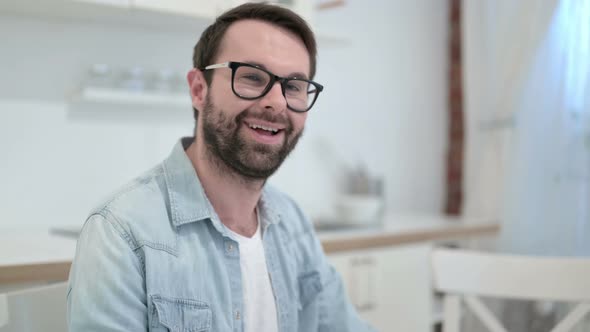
[(572, 318), (484, 314), (452, 313)]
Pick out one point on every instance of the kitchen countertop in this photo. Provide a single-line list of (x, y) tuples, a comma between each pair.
[(34, 255), (46, 255), (404, 229)]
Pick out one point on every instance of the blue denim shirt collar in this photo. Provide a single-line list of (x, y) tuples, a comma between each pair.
[(188, 201)]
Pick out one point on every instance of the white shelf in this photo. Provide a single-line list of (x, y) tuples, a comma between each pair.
[(91, 11), (107, 104), (121, 12), (122, 97)]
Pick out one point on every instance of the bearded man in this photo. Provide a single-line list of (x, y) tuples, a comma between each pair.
[(201, 242)]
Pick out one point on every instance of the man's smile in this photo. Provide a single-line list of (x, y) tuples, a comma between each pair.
[(265, 132)]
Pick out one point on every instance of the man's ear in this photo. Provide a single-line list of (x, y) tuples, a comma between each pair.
[(198, 88)]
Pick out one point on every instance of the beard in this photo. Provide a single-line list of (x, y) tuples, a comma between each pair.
[(248, 159)]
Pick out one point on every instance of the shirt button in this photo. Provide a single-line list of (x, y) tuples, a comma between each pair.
[(237, 315), (230, 247)]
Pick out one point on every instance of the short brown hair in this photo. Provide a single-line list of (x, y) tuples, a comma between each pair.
[(208, 45)]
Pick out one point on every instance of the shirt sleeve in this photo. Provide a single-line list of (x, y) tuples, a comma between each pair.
[(106, 290)]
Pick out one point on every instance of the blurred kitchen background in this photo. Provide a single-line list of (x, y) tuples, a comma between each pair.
[(439, 108), (383, 107)]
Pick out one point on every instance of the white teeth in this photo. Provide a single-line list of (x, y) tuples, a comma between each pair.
[(255, 126)]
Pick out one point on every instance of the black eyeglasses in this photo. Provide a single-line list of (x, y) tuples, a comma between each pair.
[(252, 82)]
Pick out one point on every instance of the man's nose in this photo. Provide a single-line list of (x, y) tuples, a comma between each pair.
[(275, 99)]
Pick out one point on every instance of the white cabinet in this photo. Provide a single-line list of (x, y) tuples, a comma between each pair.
[(117, 3), (390, 287), (197, 8), (160, 11), (205, 9), (211, 8), (182, 15)]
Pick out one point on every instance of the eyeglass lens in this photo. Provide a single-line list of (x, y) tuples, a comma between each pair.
[(250, 82)]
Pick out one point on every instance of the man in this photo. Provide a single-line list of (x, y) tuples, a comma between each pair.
[(200, 243)]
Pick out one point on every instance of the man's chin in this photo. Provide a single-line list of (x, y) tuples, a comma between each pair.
[(260, 167), (260, 146), (257, 160), (266, 151)]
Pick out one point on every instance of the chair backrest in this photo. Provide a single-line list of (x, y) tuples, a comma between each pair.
[(34, 309), (464, 275)]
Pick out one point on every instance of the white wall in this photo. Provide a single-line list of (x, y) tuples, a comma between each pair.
[(384, 105)]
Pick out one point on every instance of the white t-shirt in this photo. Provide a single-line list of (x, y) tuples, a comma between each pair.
[(260, 313)]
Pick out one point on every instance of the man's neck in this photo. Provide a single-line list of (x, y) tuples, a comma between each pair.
[(233, 197)]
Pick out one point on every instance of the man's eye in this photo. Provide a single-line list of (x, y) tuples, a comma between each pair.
[(293, 87), (253, 77), (253, 80)]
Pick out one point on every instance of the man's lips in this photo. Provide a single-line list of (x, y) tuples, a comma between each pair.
[(265, 134), (265, 125)]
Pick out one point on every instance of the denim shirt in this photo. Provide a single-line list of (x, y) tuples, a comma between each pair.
[(156, 257)]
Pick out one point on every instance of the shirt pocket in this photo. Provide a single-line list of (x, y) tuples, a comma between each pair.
[(310, 286), (179, 315)]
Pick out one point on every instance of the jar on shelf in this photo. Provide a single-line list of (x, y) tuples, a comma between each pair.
[(100, 76), (163, 81), (133, 79)]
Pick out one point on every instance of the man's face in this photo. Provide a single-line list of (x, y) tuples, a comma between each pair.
[(234, 130), (241, 148)]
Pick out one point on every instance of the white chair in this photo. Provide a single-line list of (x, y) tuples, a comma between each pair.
[(34, 309), (464, 275)]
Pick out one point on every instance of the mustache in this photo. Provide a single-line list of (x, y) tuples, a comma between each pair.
[(280, 118)]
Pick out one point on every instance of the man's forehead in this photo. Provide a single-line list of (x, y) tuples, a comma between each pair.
[(261, 42)]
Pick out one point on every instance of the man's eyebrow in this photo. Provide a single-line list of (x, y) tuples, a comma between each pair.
[(291, 75)]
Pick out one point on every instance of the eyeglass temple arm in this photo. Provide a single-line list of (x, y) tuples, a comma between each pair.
[(218, 65)]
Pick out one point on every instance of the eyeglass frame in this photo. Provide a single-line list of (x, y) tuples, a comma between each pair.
[(234, 65)]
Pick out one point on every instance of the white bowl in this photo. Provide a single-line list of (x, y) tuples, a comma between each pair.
[(358, 209)]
